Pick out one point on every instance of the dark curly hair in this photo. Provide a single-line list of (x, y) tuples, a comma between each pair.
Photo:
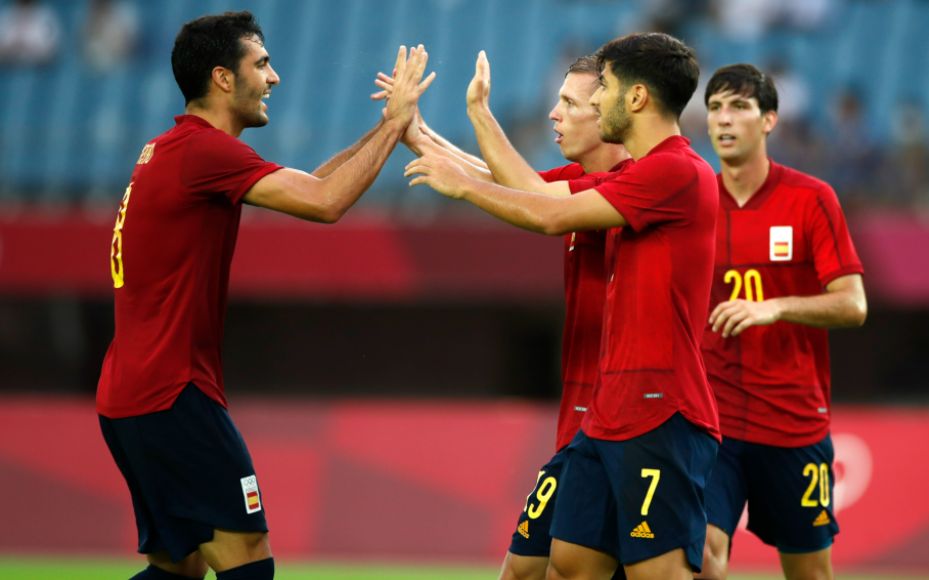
[(659, 61), (207, 42)]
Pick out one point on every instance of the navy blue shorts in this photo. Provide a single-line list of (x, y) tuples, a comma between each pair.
[(188, 472), (788, 490), (532, 537), (639, 498)]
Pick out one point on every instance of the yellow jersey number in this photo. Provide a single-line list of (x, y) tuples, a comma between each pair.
[(817, 474), (116, 248), (543, 493), (751, 281)]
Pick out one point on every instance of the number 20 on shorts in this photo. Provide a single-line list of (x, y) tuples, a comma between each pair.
[(817, 474)]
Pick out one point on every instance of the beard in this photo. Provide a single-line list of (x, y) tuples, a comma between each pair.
[(247, 106), (616, 123)]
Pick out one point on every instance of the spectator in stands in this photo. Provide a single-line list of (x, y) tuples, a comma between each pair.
[(29, 34), (110, 33), (854, 158), (905, 176), (793, 92)]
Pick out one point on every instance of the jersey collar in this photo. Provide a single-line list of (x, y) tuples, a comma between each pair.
[(727, 202), (181, 119)]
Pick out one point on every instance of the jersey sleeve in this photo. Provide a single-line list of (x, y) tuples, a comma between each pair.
[(831, 245), (562, 173), (218, 164), (648, 193)]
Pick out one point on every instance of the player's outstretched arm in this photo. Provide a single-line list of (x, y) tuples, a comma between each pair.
[(587, 210), (326, 200), (423, 140), (842, 305), (327, 168), (506, 164)]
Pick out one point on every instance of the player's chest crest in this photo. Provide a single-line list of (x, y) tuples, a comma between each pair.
[(781, 243)]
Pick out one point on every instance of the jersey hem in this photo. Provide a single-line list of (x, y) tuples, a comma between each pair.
[(794, 441)]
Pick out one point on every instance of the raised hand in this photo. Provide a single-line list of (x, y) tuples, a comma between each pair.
[(440, 174), (479, 89), (408, 85), (415, 129)]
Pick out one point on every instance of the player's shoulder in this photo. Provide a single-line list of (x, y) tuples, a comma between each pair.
[(565, 172), (802, 183)]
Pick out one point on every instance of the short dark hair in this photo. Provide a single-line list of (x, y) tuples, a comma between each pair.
[(657, 60), (207, 42), (585, 64), (744, 80)]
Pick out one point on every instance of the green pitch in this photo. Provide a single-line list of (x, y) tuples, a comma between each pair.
[(55, 568)]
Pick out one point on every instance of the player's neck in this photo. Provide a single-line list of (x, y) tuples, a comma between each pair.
[(649, 133), (603, 158), (745, 177), (220, 119)]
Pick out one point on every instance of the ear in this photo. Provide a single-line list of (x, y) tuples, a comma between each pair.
[(223, 78), (770, 122), (637, 97)]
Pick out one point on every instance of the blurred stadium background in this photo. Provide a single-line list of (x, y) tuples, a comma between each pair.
[(396, 375)]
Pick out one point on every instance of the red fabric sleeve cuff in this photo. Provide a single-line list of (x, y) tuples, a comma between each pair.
[(827, 278), (624, 210), (236, 195)]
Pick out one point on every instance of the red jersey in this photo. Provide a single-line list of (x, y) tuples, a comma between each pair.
[(790, 239), (585, 291), (660, 272), (172, 246)]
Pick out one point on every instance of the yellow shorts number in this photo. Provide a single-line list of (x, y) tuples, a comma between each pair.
[(818, 474), (655, 474), (544, 494)]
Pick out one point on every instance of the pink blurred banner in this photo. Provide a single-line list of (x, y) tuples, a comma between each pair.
[(416, 480), (370, 258)]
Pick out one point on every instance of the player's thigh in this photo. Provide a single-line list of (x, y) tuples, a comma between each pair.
[(585, 511), (231, 549), (575, 562), (715, 554), (659, 479), (790, 497), (532, 536), (193, 566), (516, 567), (673, 565), (810, 566), (195, 472)]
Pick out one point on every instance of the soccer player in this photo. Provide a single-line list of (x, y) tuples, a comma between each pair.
[(160, 397), (631, 490), (579, 139), (786, 270)]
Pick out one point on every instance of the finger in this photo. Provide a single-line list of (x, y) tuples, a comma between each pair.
[(719, 308), (425, 84), (722, 316), (379, 96), (733, 321), (385, 78), (388, 87), (747, 323), (422, 179), (401, 61)]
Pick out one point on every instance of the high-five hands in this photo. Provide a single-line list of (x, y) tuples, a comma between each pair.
[(407, 86), (415, 129), (440, 174), (479, 89)]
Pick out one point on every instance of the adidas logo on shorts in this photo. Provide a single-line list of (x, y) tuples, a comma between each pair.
[(642, 531), (523, 529)]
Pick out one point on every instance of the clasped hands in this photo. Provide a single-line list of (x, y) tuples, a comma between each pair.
[(436, 171)]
